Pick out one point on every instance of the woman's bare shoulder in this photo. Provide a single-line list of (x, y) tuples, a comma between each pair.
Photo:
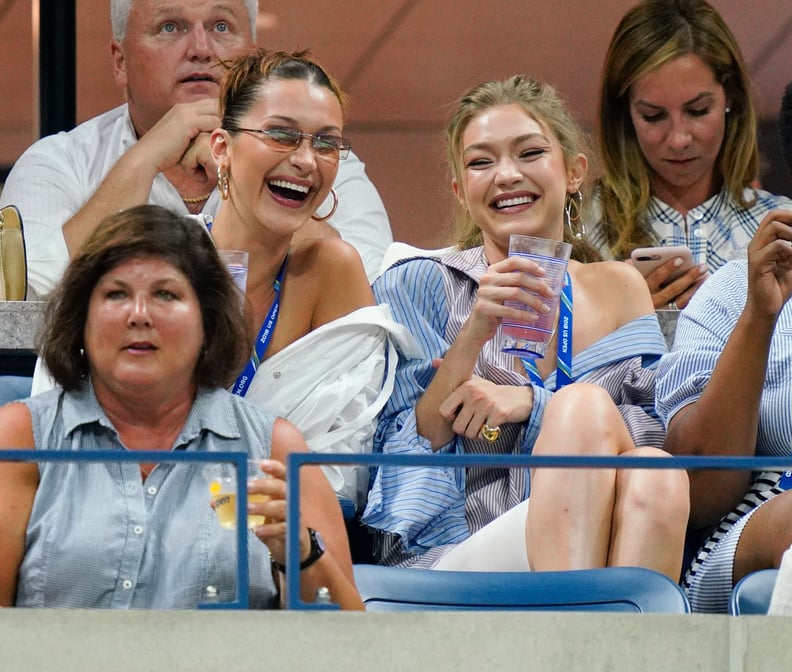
[(326, 253), (16, 427), (617, 287), (328, 279)]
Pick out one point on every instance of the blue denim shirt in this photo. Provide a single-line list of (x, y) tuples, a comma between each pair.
[(100, 537)]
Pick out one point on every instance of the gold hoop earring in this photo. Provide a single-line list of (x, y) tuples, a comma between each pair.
[(222, 182), (332, 210), (573, 215)]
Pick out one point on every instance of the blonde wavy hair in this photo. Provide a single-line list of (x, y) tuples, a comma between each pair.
[(543, 104)]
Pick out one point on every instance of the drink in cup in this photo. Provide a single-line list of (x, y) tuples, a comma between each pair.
[(530, 338), (236, 261), (223, 491)]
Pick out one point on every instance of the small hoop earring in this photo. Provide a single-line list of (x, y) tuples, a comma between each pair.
[(332, 210), (573, 215), (222, 182)]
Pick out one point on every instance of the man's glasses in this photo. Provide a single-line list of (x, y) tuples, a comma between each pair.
[(289, 139)]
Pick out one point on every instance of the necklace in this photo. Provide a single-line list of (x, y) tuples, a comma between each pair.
[(196, 199)]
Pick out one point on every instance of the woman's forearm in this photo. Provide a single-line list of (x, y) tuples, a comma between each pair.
[(325, 573), (455, 368), (724, 421)]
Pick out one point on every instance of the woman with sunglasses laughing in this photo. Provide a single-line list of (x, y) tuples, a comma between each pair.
[(277, 154)]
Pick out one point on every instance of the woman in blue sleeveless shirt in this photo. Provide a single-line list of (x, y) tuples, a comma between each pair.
[(141, 335), (517, 164)]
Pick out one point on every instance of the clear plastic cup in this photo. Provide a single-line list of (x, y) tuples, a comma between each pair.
[(236, 261), (223, 492), (530, 338)]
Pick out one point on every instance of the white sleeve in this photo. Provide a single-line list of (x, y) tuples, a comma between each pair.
[(361, 218), (47, 193)]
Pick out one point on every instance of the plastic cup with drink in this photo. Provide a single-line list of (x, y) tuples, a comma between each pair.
[(236, 261), (223, 492), (530, 338)]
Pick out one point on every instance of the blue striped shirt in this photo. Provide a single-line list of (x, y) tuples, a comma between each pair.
[(716, 231), (426, 507), (702, 331)]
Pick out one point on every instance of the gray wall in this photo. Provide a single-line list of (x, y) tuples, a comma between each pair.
[(116, 641)]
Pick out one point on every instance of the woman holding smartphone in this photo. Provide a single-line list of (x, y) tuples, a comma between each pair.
[(677, 137)]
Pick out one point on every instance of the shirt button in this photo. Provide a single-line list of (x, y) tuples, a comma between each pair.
[(276, 375), (698, 233), (137, 529), (152, 490), (127, 584)]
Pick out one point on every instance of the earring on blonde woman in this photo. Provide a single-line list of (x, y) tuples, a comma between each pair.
[(573, 215), (332, 210), (222, 182)]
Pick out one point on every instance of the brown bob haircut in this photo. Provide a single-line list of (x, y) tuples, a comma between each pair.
[(140, 232)]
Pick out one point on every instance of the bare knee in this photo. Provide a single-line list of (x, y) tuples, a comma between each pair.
[(661, 496), (582, 419), (569, 402)]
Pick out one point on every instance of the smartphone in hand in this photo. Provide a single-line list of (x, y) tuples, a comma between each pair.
[(647, 259)]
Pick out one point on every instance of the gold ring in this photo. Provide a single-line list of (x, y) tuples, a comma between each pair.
[(490, 434)]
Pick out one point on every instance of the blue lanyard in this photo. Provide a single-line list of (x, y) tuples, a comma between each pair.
[(564, 354), (265, 334)]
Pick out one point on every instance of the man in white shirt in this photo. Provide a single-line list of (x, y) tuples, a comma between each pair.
[(155, 147)]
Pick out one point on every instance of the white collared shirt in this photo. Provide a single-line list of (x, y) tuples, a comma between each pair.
[(57, 175)]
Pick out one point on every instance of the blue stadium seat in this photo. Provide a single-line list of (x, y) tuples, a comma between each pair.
[(624, 589), (752, 593), (14, 387)]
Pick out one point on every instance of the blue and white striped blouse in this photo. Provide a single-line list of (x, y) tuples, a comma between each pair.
[(702, 331), (426, 507)]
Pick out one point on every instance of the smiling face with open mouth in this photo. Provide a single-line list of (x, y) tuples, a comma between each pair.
[(513, 177), (171, 50), (144, 328), (273, 185)]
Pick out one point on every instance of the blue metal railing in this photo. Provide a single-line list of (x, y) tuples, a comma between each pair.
[(297, 460), (239, 460)]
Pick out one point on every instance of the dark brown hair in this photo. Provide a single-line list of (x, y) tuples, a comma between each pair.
[(245, 74), (139, 232), (785, 125)]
